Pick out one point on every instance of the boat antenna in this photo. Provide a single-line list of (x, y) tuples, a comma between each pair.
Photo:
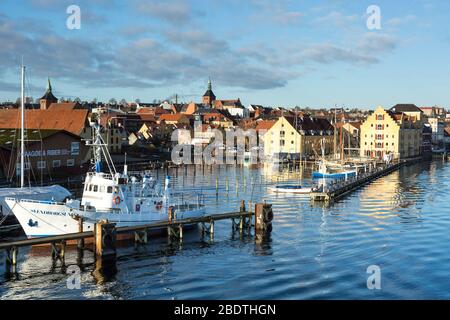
[(22, 125)]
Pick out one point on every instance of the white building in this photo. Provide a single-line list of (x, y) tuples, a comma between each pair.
[(437, 129)]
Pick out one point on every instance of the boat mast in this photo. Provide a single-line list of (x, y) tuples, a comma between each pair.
[(22, 125)]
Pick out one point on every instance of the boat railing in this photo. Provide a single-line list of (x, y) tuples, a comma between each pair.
[(36, 201), (103, 175)]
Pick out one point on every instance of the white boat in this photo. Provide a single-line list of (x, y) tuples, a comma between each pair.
[(117, 197), (54, 192), (287, 188), (324, 173)]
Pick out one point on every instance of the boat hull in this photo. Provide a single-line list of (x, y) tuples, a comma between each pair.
[(40, 219), (338, 175), (290, 189)]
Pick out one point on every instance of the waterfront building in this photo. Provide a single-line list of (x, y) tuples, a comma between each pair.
[(409, 110), (437, 131), (392, 132), (298, 136), (434, 112), (174, 119), (48, 152)]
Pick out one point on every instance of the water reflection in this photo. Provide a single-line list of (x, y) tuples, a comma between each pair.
[(313, 252)]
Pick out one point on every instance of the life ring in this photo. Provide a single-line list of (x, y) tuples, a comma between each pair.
[(158, 205), (116, 200)]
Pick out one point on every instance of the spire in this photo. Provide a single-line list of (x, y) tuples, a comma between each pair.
[(49, 86), (209, 84)]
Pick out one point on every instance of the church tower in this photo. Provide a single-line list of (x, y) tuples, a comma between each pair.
[(209, 97), (48, 98)]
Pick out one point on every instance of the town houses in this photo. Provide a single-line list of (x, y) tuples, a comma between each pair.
[(145, 130)]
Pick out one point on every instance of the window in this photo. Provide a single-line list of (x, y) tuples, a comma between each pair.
[(292, 141), (380, 127), (70, 162), (95, 188), (380, 117), (41, 164), (282, 134), (281, 143), (90, 187), (56, 163), (109, 189), (102, 189)]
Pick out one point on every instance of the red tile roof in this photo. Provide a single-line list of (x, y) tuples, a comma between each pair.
[(73, 121), (265, 124)]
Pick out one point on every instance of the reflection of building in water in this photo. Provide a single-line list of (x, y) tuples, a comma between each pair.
[(381, 196)]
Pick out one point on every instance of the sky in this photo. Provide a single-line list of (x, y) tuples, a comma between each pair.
[(275, 53)]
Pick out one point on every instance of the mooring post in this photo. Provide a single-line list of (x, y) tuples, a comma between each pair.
[(217, 185), (62, 251), (15, 251), (8, 256), (211, 228), (80, 242), (263, 218), (180, 232), (105, 239)]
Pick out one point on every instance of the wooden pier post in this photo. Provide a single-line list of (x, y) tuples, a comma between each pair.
[(105, 239), (172, 216), (15, 252), (263, 218), (211, 229), (80, 242), (217, 185)]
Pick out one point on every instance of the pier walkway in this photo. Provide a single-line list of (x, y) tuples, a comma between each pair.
[(338, 189), (105, 233)]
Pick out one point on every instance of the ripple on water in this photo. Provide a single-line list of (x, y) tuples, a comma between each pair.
[(400, 223)]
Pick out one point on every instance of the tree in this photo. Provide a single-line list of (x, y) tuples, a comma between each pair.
[(138, 101), (77, 99), (123, 102), (112, 101)]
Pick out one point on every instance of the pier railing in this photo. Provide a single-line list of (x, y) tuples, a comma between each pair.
[(340, 188)]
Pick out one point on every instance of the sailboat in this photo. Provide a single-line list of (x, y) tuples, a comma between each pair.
[(117, 197), (54, 192)]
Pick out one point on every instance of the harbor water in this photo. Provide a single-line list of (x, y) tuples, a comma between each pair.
[(399, 223)]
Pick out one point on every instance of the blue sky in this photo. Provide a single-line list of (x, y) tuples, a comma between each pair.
[(286, 52)]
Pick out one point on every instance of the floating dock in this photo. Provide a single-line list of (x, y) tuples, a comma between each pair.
[(339, 189)]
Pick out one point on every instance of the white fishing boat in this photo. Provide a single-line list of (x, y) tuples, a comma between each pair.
[(54, 192), (117, 197)]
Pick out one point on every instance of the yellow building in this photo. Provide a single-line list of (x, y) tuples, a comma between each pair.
[(298, 136), (388, 132)]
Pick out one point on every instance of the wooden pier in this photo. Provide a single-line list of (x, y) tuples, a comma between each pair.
[(339, 189), (105, 233)]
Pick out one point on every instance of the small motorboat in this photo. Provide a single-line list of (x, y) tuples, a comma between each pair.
[(289, 188)]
